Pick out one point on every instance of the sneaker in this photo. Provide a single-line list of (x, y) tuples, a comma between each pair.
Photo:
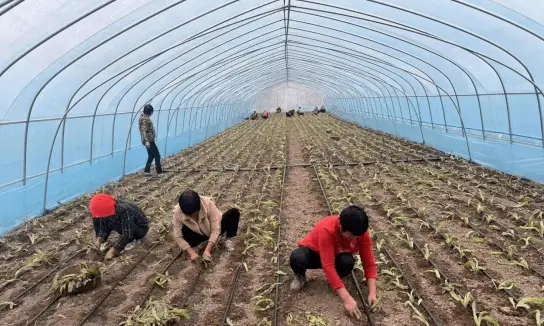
[(133, 244), (229, 245), (298, 283)]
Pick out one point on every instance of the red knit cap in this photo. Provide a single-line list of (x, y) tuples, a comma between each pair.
[(102, 206)]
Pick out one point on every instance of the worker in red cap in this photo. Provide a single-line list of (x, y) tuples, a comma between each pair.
[(124, 217)]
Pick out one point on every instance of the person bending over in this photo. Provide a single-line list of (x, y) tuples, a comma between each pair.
[(196, 220), (124, 217), (330, 246)]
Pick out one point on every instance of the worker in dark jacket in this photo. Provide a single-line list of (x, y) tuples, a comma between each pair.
[(278, 109), (147, 132), (254, 115), (126, 218)]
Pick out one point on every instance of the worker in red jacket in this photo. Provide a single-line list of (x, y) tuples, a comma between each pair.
[(330, 246)]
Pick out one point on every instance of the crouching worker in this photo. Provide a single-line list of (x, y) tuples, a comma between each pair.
[(196, 220), (126, 218), (254, 115), (330, 246)]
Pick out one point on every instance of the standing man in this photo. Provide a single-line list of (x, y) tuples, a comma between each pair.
[(330, 246), (196, 220), (124, 217), (147, 132)]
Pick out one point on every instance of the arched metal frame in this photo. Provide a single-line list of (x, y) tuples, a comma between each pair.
[(343, 70)]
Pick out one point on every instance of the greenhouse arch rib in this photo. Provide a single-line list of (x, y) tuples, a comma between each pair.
[(382, 76), (531, 78)]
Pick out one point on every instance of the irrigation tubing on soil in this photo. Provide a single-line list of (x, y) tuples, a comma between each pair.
[(240, 266), (145, 180)]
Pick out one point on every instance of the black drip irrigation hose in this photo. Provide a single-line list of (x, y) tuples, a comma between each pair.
[(226, 169), (239, 269), (278, 244)]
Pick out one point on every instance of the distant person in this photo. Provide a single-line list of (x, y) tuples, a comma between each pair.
[(330, 246), (278, 109), (290, 113), (124, 217), (316, 111), (322, 110), (147, 132), (299, 111), (265, 115), (196, 220), (254, 115)]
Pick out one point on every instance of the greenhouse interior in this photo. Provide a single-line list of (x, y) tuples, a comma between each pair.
[(282, 162)]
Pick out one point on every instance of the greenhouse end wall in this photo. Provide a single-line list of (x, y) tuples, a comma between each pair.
[(520, 159), (79, 175)]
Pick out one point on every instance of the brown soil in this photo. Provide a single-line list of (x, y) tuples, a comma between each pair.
[(303, 206), (442, 187)]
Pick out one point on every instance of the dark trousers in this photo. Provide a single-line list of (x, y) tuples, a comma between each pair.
[(229, 226), (153, 154), (304, 258)]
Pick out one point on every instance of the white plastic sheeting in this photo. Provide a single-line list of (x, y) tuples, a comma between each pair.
[(75, 75)]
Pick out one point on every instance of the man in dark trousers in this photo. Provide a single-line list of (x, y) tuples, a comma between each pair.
[(330, 246), (124, 217), (147, 132)]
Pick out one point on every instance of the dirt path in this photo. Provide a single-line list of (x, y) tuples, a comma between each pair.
[(303, 206)]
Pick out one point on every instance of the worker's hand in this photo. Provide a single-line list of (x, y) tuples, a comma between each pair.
[(371, 298), (99, 241), (206, 260), (351, 307), (147, 145), (112, 253), (193, 255)]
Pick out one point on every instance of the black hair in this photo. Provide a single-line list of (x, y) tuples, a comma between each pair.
[(353, 219), (148, 109), (189, 202)]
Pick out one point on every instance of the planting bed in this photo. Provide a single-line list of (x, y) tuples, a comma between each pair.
[(455, 243)]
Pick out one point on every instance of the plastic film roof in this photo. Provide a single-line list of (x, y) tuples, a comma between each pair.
[(474, 64)]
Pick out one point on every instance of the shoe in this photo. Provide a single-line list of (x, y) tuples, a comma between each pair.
[(229, 245), (298, 283), (133, 244)]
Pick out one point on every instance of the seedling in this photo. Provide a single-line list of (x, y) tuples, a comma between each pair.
[(398, 283), (450, 239), (161, 279), (506, 285), (464, 300), (482, 318), (473, 265), (527, 242), (427, 252), (435, 271), (489, 218), (86, 278), (261, 303), (521, 263), (315, 320), (412, 298), (480, 209), (509, 233), (417, 314), (37, 260), (156, 312), (528, 302)]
